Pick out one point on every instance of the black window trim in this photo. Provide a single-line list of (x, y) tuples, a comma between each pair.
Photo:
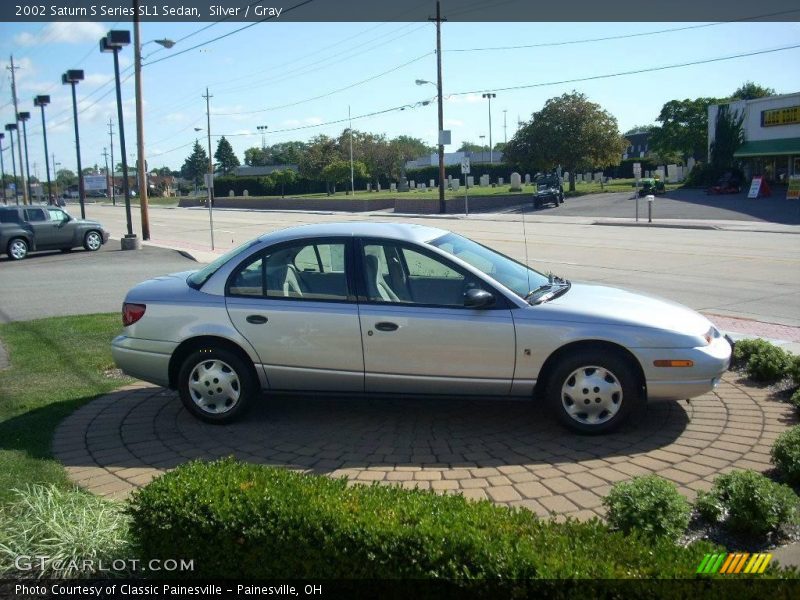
[(501, 302), (349, 260)]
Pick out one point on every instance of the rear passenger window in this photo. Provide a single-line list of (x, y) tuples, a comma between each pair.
[(33, 215), (9, 216)]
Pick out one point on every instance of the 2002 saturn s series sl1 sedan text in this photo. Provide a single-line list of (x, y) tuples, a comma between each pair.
[(405, 309)]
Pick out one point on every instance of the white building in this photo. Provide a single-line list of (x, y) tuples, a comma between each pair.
[(771, 133)]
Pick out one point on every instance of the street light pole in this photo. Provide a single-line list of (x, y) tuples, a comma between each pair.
[(72, 77), (350, 127), (10, 128), (263, 129), (41, 102), (113, 166), (13, 69), (210, 183), (442, 208), (24, 116), (489, 96), (141, 163), (113, 42)]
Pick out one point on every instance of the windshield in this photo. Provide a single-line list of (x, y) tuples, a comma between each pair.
[(198, 278), (506, 271)]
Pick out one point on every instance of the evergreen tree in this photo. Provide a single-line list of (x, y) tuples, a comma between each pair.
[(196, 165), (226, 158)]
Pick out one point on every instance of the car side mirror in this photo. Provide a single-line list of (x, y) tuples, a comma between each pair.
[(477, 298)]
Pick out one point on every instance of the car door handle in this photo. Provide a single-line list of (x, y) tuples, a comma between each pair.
[(386, 326), (257, 319)]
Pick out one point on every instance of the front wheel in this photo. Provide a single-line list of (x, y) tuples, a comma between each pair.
[(215, 385), (593, 392), (17, 249), (92, 241)]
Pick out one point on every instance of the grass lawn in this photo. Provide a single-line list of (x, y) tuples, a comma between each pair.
[(581, 189), (57, 364)]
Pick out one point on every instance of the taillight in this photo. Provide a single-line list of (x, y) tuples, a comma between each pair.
[(132, 313)]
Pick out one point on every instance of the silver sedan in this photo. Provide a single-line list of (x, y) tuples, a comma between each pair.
[(404, 309)]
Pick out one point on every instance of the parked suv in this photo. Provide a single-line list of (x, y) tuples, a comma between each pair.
[(548, 190), (26, 229)]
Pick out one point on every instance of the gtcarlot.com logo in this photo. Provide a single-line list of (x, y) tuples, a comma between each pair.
[(732, 563)]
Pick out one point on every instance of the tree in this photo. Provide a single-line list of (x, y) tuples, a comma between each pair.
[(408, 148), (321, 151), (65, 177), (287, 153), (569, 131), (196, 164), (728, 136), (684, 128), (226, 158), (640, 129), (283, 178), (468, 146), (338, 171), (256, 157), (750, 91)]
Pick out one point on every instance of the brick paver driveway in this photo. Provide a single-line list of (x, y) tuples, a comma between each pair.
[(508, 452)]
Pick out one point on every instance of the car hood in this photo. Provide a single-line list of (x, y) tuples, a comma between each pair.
[(85, 221), (599, 304)]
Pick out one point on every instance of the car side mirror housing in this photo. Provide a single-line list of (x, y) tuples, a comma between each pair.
[(477, 298)]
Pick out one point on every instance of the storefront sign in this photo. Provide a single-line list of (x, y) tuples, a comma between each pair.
[(758, 187), (793, 191), (780, 116)]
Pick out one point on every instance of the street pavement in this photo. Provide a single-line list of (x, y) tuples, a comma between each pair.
[(50, 284), (727, 268)]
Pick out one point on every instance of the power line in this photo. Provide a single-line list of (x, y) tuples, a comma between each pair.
[(224, 35), (632, 72), (332, 92), (621, 37)]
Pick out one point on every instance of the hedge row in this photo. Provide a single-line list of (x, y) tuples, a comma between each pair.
[(238, 520)]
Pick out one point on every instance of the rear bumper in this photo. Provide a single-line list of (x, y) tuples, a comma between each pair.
[(147, 360)]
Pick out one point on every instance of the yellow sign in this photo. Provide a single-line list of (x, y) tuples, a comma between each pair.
[(793, 191), (780, 116)]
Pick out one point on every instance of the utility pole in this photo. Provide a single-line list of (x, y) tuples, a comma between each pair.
[(55, 172), (12, 68), (505, 131), (350, 126), (141, 164), (210, 183), (489, 96), (105, 155), (2, 169), (439, 20), (113, 167)]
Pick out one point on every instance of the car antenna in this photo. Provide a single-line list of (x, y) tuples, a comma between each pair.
[(525, 241)]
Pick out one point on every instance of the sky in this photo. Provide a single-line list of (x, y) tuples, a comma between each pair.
[(297, 78)]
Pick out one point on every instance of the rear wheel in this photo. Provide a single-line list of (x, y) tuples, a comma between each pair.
[(17, 249), (92, 241), (215, 385), (593, 391)]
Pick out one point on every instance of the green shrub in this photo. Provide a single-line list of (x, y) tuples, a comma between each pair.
[(786, 452), (650, 505), (795, 399), (794, 369), (67, 526), (768, 364), (748, 502), (238, 520), (744, 349)]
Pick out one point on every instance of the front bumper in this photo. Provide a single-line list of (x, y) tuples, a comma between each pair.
[(678, 383), (106, 236), (147, 360)]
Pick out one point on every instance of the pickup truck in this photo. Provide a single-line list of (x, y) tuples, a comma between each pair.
[(26, 229)]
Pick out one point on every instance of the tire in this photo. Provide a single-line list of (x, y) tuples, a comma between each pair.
[(17, 249), (92, 241), (608, 375), (209, 374)]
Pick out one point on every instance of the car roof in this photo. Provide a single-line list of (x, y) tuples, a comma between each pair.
[(395, 231)]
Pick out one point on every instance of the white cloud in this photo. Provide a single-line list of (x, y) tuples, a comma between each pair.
[(61, 32), (454, 122), (312, 121)]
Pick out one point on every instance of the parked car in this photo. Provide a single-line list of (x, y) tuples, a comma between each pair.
[(651, 185), (26, 229), (404, 309), (548, 190)]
